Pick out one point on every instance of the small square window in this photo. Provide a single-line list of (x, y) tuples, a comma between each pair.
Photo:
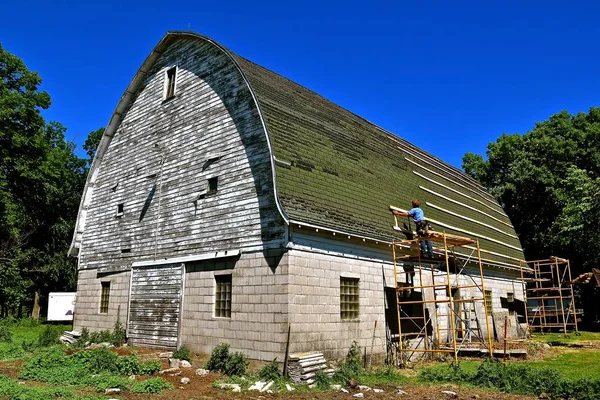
[(120, 209), (488, 302), (104, 297), (223, 296), (349, 303), (171, 76), (212, 185)]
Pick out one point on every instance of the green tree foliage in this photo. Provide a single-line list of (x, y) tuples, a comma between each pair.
[(41, 180), (91, 143), (548, 181)]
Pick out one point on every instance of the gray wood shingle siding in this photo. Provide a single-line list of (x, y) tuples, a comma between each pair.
[(159, 160)]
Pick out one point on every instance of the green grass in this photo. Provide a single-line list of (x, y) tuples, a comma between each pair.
[(572, 364), (571, 338)]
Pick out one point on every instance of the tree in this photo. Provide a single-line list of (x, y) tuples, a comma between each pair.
[(548, 181), (91, 143), (40, 184)]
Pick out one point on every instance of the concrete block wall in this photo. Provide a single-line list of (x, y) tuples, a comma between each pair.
[(258, 324), (87, 304)]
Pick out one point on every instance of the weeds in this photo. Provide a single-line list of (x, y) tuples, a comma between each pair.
[(351, 367), (182, 353), (218, 358), (322, 380), (5, 334), (270, 372), (236, 364), (152, 385), (49, 336)]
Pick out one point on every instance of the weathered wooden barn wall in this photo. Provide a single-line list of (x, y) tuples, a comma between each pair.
[(157, 165)]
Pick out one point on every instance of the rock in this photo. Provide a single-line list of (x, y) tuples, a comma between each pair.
[(185, 381), (476, 396), (378, 390), (112, 391), (267, 386), (20, 383), (131, 377), (344, 390), (184, 364), (176, 373), (234, 387), (364, 388), (544, 396), (202, 372), (168, 354), (450, 394), (257, 385), (400, 392), (269, 391), (289, 387), (352, 383), (312, 386), (168, 370), (336, 387), (358, 395), (174, 362)]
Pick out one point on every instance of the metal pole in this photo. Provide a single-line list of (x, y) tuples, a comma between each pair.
[(449, 282), (485, 309)]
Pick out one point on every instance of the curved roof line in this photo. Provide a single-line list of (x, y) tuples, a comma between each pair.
[(121, 110)]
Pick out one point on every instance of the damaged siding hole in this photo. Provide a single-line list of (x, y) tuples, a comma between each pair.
[(212, 185), (104, 297), (120, 210)]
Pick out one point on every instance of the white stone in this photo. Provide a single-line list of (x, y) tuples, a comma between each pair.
[(364, 388), (202, 372), (112, 391), (401, 392), (234, 387), (257, 385), (358, 395), (131, 377), (168, 370), (344, 390), (314, 385), (289, 387), (184, 364), (185, 381), (449, 393), (336, 387), (168, 354), (267, 386), (378, 390), (174, 362)]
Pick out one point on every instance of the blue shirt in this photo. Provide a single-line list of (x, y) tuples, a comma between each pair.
[(416, 214)]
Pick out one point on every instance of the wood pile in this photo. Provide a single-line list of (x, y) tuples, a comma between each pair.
[(302, 367)]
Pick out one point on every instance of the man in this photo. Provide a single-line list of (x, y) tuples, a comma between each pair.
[(416, 213)]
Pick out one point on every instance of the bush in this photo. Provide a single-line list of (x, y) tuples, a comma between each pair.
[(322, 380), (49, 336), (5, 334), (182, 353), (107, 381), (270, 372), (236, 364), (128, 365), (218, 358), (149, 367), (351, 367), (152, 385), (118, 335)]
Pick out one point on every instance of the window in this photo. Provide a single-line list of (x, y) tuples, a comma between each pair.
[(510, 298), (104, 297), (488, 302), (223, 296), (120, 209), (349, 298), (170, 83), (212, 185)]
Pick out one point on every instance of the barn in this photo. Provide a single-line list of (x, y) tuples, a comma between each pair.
[(227, 203)]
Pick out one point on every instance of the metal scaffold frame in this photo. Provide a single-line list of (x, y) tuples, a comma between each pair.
[(548, 284), (461, 333)]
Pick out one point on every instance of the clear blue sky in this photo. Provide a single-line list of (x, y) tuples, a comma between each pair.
[(448, 76)]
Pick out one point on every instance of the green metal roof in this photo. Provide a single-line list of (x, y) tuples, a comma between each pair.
[(336, 170)]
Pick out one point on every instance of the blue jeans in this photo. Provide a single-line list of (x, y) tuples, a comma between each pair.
[(426, 248)]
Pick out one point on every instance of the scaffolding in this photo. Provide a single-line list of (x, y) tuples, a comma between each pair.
[(549, 297), (442, 298)]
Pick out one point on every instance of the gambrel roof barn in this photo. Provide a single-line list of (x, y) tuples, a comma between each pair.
[(226, 202)]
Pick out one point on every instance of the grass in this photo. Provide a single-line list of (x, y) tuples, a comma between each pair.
[(570, 339)]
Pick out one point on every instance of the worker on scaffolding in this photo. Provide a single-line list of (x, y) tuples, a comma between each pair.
[(417, 214)]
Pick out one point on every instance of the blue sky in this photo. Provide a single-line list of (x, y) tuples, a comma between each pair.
[(448, 76)]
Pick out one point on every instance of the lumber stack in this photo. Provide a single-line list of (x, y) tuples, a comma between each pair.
[(302, 367)]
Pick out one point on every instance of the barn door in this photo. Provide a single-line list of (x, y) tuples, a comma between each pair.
[(155, 305)]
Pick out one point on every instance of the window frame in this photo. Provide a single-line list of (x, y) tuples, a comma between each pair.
[(209, 181), (349, 298), (489, 302), (222, 308), (170, 85), (104, 297)]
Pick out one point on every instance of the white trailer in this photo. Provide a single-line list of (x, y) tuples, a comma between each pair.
[(61, 306)]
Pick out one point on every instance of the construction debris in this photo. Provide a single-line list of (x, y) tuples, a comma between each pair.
[(302, 367), (202, 372), (69, 337)]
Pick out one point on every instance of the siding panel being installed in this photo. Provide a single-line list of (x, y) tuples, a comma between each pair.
[(155, 305)]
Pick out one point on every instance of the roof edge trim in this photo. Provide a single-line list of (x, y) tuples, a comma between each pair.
[(117, 117)]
